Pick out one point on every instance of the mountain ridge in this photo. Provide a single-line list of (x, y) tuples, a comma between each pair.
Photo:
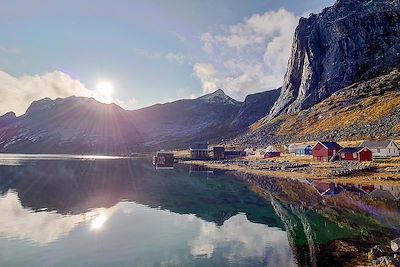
[(84, 125)]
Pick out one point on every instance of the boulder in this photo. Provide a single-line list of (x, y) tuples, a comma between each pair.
[(395, 244)]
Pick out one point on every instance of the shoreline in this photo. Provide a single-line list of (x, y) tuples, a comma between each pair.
[(305, 169)]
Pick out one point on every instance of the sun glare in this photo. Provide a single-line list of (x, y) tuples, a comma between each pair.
[(104, 91), (98, 222)]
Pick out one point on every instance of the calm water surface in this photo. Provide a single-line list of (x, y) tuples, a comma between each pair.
[(105, 211)]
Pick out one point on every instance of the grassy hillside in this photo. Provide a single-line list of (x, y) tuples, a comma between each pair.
[(364, 110)]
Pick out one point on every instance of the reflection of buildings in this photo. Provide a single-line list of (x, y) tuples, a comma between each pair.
[(199, 169), (380, 191)]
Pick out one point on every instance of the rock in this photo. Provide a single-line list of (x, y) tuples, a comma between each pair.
[(354, 40), (395, 244), (375, 253), (385, 261)]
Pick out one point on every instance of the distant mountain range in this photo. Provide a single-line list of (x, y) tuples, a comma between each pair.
[(84, 125), (342, 82)]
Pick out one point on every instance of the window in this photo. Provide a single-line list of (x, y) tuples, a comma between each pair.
[(343, 155), (354, 155), (378, 150)]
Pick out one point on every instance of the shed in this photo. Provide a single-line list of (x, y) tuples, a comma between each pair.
[(355, 154), (272, 152), (325, 151), (386, 148)]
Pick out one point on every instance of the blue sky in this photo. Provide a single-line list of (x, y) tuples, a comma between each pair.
[(152, 51)]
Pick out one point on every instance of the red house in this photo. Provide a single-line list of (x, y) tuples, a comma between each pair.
[(355, 154), (325, 151)]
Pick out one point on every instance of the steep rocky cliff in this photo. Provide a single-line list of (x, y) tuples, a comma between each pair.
[(354, 40), (363, 110)]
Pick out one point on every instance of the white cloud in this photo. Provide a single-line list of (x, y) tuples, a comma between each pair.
[(206, 74), (41, 227), (17, 93), (240, 239), (176, 57), (250, 56), (207, 39)]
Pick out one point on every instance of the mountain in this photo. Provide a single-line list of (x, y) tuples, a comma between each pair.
[(208, 118), (255, 107), (352, 41), (84, 125), (70, 125), (364, 110)]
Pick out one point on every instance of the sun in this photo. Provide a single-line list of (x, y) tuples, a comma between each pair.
[(104, 91)]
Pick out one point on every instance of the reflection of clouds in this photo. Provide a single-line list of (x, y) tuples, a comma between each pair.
[(43, 227), (241, 238)]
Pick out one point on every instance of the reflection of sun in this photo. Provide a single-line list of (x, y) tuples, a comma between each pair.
[(104, 91), (98, 222)]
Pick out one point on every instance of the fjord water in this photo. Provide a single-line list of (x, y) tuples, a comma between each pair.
[(104, 211)]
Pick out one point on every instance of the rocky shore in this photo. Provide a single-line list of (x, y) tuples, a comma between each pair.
[(305, 168)]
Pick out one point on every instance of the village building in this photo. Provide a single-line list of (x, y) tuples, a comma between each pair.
[(355, 154), (303, 150), (218, 152), (387, 148), (272, 152), (325, 151), (199, 151)]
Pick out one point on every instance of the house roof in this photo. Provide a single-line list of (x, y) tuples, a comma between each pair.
[(376, 143), (351, 150), (199, 146), (330, 145)]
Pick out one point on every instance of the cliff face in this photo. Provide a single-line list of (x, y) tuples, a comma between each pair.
[(351, 41)]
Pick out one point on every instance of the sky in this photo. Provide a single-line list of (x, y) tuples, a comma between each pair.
[(141, 52)]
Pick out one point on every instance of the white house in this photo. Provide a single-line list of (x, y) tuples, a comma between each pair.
[(386, 148)]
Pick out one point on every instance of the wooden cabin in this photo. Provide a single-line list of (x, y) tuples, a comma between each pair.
[(271, 152), (355, 154), (199, 151), (325, 151), (386, 148)]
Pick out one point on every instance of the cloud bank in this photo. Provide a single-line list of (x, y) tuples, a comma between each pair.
[(247, 57), (17, 93)]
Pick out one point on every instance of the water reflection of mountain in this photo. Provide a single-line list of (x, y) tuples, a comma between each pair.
[(316, 214), (73, 187)]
